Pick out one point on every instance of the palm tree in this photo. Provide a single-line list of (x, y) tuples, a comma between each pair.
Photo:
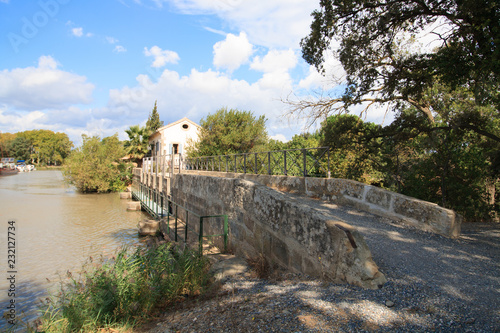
[(137, 144)]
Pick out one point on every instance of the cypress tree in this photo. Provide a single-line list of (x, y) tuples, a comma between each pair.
[(154, 122)]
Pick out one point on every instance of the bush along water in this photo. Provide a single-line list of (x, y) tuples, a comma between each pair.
[(125, 290)]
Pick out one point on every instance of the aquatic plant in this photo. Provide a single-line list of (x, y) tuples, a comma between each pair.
[(124, 290)]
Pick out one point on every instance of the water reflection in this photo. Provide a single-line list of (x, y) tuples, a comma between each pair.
[(57, 228)]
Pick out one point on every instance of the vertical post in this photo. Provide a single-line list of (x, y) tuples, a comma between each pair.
[(304, 152), (256, 170), (244, 163), (172, 165), (226, 231), (219, 162), (168, 217), (200, 240), (186, 228), (268, 162), (329, 173), (227, 162), (175, 226), (284, 160), (153, 206), (235, 165)]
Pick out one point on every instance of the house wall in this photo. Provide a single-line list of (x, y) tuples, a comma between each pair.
[(172, 134)]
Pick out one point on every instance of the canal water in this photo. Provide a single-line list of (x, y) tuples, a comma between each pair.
[(55, 229)]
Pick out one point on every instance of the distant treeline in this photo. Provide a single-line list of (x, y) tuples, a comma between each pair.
[(41, 147)]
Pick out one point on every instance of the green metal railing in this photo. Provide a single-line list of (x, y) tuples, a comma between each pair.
[(305, 162), (160, 206)]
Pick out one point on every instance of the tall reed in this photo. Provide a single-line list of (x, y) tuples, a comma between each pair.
[(124, 290)]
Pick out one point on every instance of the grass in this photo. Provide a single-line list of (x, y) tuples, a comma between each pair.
[(124, 291)]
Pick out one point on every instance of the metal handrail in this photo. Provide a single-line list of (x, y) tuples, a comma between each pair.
[(304, 162), (158, 205)]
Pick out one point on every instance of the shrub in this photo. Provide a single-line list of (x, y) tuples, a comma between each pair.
[(124, 290)]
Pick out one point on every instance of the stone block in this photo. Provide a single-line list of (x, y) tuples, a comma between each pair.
[(296, 261), (125, 195), (280, 251), (428, 216), (148, 227), (134, 205), (378, 197)]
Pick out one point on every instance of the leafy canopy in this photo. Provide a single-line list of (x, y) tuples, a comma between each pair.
[(39, 146), (229, 132), (379, 63), (96, 166)]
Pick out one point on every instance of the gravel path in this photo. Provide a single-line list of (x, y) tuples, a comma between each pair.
[(434, 284)]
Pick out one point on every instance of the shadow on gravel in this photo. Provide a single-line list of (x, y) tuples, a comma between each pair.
[(459, 277)]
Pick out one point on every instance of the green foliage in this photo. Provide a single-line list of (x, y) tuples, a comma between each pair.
[(153, 122), (42, 147), (137, 144), (374, 52), (230, 132), (130, 288), (96, 166), (20, 148), (443, 162), (355, 152)]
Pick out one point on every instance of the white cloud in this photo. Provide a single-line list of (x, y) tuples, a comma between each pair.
[(276, 66), (279, 137), (276, 23), (275, 61), (16, 122), (78, 32), (197, 94), (232, 52), (119, 49), (161, 57), (111, 40), (45, 86)]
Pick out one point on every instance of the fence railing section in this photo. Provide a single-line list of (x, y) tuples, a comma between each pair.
[(162, 164), (186, 223), (304, 162)]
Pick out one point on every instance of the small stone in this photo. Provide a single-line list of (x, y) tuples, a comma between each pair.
[(470, 321), (389, 304)]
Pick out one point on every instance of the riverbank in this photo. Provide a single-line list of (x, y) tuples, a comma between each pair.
[(50, 167), (435, 284)]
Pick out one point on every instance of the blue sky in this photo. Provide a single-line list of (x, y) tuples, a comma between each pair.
[(97, 67)]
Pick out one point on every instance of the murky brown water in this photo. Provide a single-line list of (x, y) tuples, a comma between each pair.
[(56, 229)]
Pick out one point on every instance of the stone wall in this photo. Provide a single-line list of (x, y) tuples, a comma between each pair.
[(287, 232), (397, 207)]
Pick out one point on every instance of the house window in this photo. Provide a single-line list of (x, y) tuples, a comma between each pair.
[(185, 126), (157, 146), (175, 148)]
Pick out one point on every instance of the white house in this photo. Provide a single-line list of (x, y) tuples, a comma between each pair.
[(173, 138)]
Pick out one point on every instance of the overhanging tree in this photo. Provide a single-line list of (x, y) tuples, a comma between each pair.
[(373, 38)]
